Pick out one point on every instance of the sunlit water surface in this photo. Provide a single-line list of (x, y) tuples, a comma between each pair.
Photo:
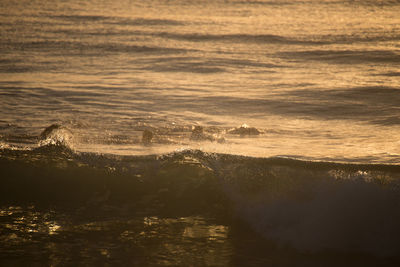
[(197, 83), (319, 79)]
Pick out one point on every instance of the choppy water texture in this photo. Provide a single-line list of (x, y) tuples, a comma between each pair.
[(320, 79), (248, 132)]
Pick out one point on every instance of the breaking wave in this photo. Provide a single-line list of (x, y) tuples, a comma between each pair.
[(309, 206)]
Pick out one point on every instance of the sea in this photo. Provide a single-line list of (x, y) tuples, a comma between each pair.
[(200, 133)]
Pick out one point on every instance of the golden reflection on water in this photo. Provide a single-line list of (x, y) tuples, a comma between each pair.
[(162, 241), (212, 244), (28, 221)]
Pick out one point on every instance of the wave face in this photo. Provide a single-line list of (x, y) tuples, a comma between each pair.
[(307, 206)]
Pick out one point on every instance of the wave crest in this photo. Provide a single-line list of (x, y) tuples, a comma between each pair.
[(56, 135)]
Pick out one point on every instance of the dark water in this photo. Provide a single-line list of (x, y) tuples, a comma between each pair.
[(192, 133), (194, 208)]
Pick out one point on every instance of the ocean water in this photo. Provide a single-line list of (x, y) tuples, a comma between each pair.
[(193, 133)]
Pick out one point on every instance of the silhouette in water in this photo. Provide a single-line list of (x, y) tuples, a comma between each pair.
[(198, 134), (245, 130), (147, 136), (49, 130)]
